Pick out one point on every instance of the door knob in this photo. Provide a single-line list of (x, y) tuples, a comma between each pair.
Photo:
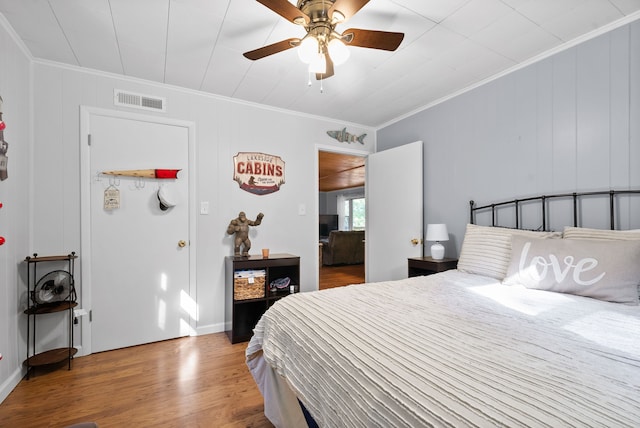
[(182, 243), (416, 241)]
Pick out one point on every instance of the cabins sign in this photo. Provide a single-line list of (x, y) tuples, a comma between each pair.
[(258, 173)]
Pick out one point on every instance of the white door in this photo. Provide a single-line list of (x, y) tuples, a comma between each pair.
[(138, 277), (394, 211)]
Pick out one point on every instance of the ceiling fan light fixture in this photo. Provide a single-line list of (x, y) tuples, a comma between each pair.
[(338, 51), (319, 64), (308, 49), (317, 48)]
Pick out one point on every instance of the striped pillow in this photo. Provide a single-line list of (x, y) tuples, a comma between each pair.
[(487, 250), (605, 235)]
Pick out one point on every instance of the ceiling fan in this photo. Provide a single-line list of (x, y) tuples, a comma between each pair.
[(323, 47)]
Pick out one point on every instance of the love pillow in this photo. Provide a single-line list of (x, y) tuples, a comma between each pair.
[(605, 270)]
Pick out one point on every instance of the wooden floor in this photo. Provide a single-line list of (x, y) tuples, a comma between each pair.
[(189, 382), (336, 276)]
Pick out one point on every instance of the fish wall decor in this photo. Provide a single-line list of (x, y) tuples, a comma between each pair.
[(344, 137)]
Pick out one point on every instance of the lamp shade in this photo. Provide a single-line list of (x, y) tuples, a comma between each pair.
[(437, 232), (308, 49), (338, 51), (319, 64)]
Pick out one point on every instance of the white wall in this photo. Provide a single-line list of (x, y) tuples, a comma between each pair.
[(566, 123), (41, 198), (14, 216), (223, 128)]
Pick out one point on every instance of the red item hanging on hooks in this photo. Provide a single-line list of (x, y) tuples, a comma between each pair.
[(146, 173)]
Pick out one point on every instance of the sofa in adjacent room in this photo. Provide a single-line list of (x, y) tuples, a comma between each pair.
[(343, 248)]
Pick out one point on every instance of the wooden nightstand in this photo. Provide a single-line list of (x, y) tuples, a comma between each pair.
[(427, 266)]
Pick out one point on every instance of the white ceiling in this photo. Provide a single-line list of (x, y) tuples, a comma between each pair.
[(449, 45)]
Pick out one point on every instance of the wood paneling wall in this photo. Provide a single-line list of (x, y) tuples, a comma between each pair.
[(568, 122)]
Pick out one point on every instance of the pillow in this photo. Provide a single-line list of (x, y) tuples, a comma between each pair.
[(609, 235), (605, 270), (487, 250)]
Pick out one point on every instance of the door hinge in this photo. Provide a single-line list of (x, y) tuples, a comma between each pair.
[(90, 315), (89, 139)]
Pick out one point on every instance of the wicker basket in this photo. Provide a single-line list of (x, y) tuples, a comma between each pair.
[(248, 284)]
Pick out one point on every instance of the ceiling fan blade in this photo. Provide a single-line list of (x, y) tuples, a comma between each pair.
[(274, 48), (329, 72), (286, 10), (373, 39), (348, 8)]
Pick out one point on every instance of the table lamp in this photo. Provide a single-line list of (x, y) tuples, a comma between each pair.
[(437, 232)]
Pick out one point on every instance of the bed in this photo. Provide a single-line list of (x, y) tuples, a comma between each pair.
[(534, 329)]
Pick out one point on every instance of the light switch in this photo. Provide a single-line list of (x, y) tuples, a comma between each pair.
[(302, 209), (204, 207)]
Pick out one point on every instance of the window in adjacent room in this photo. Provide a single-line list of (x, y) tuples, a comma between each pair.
[(354, 214)]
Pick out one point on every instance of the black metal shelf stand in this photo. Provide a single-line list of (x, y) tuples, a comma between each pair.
[(51, 356)]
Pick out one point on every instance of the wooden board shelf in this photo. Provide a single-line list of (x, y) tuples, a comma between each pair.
[(49, 309), (50, 357), (35, 258)]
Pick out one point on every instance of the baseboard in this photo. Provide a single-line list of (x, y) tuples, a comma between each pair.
[(9, 385), (211, 328)]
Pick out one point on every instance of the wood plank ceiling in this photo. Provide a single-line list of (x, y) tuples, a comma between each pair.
[(449, 46), (337, 171)]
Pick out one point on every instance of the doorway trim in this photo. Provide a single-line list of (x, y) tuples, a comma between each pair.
[(86, 176), (333, 149)]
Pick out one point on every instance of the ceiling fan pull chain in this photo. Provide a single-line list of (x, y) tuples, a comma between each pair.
[(321, 87), (309, 83)]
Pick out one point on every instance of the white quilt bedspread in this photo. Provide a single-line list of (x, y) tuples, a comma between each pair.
[(455, 350)]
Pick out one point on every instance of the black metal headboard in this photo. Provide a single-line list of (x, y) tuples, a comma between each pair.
[(516, 204)]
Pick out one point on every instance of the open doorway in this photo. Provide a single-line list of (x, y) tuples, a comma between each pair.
[(342, 216)]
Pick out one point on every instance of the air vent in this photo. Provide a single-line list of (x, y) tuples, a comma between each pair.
[(145, 102)]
